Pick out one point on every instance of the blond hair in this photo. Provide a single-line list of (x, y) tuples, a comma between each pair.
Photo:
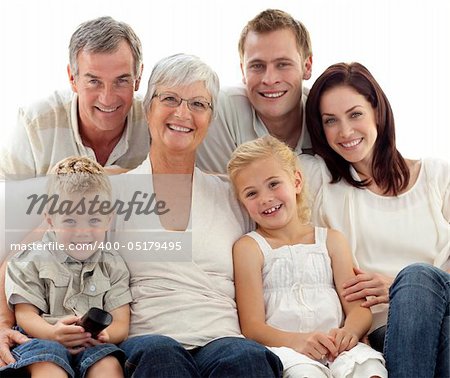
[(264, 148), (78, 175), (273, 20)]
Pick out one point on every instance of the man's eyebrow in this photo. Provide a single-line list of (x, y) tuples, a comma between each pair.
[(91, 75), (283, 58), (279, 59), (125, 75), (255, 60)]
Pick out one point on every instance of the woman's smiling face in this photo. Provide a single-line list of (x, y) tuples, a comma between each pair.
[(348, 121), (179, 128)]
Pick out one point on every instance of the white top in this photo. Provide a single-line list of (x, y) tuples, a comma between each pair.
[(47, 132), (299, 291), (237, 122), (191, 301), (386, 233)]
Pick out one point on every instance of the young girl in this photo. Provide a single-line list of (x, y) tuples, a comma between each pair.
[(287, 272)]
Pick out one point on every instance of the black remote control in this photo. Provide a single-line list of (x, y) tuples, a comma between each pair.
[(95, 320)]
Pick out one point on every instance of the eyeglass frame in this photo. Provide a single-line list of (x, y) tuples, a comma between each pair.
[(187, 100)]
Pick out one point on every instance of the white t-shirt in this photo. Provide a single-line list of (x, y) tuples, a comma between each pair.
[(192, 301), (237, 122)]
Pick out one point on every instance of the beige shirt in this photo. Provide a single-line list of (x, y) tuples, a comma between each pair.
[(59, 285), (237, 122), (189, 296), (47, 132)]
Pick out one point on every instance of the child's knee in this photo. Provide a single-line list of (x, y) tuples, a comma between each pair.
[(108, 366), (46, 369)]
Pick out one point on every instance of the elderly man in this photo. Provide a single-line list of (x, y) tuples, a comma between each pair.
[(99, 118)]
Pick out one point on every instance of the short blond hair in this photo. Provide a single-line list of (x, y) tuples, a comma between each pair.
[(275, 19), (78, 175), (264, 148)]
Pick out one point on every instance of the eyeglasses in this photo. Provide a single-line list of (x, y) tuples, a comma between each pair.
[(195, 104)]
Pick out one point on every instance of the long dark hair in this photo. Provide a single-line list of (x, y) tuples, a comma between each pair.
[(389, 169)]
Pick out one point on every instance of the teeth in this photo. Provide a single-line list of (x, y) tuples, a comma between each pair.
[(107, 110), (179, 128), (273, 95), (272, 209), (352, 143)]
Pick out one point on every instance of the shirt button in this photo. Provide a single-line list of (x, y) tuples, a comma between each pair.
[(92, 288)]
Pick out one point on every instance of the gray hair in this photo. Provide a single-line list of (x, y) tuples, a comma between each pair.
[(103, 35), (181, 70)]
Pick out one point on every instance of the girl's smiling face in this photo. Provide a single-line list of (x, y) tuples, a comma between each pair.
[(268, 192)]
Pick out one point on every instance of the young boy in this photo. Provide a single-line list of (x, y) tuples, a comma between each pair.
[(56, 281)]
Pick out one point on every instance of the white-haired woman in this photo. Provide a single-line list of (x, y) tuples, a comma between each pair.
[(184, 320)]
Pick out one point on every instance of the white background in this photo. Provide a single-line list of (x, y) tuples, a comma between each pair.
[(405, 44)]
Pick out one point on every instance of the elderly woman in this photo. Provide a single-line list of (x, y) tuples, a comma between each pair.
[(190, 302), (175, 227)]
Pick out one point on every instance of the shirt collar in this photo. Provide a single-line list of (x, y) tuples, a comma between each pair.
[(122, 144), (62, 257)]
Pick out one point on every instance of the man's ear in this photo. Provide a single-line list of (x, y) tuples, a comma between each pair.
[(71, 79), (307, 68), (244, 81), (137, 82)]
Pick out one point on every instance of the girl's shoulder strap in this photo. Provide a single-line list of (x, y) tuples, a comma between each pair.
[(321, 235), (262, 243)]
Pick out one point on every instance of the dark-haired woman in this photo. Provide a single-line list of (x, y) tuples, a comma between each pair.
[(394, 211)]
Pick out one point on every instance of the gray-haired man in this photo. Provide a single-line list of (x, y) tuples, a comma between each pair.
[(99, 118)]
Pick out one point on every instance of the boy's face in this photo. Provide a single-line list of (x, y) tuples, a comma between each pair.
[(81, 234)]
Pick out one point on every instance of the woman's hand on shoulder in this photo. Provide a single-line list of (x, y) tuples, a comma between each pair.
[(373, 288)]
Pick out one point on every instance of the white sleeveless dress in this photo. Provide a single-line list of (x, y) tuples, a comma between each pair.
[(300, 296)]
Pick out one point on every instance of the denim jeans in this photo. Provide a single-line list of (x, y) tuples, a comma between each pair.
[(418, 332), (162, 356), (40, 350)]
